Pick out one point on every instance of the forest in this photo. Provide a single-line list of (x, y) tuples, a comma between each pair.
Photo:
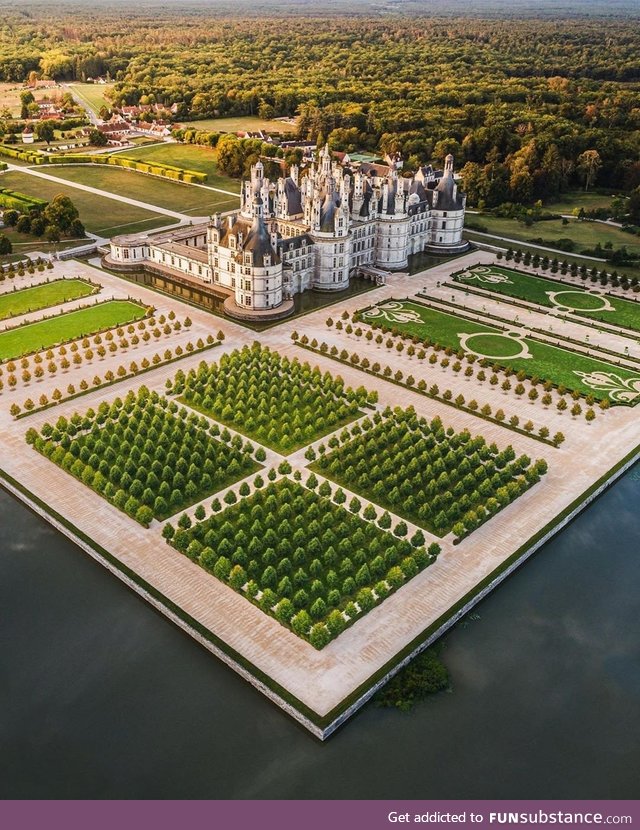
[(528, 107)]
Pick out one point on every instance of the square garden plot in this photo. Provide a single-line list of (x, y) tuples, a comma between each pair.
[(432, 476), (146, 455), (281, 403), (304, 560)]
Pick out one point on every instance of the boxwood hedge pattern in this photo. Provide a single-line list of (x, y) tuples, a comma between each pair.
[(304, 560), (282, 403), (144, 454), (430, 475)]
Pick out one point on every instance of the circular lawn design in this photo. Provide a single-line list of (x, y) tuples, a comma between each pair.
[(495, 346), (580, 301)]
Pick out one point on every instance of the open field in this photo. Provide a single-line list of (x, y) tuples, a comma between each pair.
[(10, 96), (42, 296), (46, 333), (555, 294), (243, 122), (184, 198), (513, 349), (189, 157), (586, 235), (92, 95), (102, 216), (27, 243), (576, 199)]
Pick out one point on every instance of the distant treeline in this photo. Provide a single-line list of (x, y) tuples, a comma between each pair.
[(521, 99)]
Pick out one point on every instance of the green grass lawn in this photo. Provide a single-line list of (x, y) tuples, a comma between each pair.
[(42, 296), (189, 157), (92, 95), (548, 362), (46, 333), (625, 313), (586, 235), (183, 198), (241, 122), (629, 270), (576, 199), (100, 215)]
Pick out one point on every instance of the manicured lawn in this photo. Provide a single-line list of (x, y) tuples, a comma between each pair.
[(189, 157), (92, 95), (416, 470), (302, 559), (142, 453), (511, 283), (548, 362), (100, 215), (279, 402), (629, 270), (586, 235), (42, 296), (46, 333), (242, 122), (183, 198)]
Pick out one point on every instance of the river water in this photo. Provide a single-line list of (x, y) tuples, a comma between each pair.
[(100, 697)]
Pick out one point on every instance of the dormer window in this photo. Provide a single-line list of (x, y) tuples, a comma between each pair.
[(247, 259), (267, 260), (232, 243)]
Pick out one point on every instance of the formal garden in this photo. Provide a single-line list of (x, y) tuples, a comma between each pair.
[(279, 402), (310, 563), (593, 304), (508, 348), (45, 295), (430, 475), (146, 455), (61, 328)]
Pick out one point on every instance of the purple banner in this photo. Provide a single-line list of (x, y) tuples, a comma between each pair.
[(311, 815)]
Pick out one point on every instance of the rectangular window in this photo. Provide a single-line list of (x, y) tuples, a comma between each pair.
[(233, 282)]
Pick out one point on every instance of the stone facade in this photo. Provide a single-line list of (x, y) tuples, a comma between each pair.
[(308, 232)]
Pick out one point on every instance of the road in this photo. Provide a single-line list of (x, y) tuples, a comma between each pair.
[(181, 217)]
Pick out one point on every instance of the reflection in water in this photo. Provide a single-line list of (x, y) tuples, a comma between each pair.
[(101, 697)]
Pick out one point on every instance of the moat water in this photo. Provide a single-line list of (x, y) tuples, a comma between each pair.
[(100, 697)]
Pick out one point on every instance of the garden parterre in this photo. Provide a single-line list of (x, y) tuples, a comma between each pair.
[(146, 455), (593, 304), (310, 563), (432, 476), (513, 349), (42, 296), (25, 339), (279, 402)]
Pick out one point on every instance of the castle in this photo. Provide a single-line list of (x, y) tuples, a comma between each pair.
[(314, 231)]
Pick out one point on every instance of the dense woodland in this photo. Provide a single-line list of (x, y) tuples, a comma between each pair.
[(519, 102)]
